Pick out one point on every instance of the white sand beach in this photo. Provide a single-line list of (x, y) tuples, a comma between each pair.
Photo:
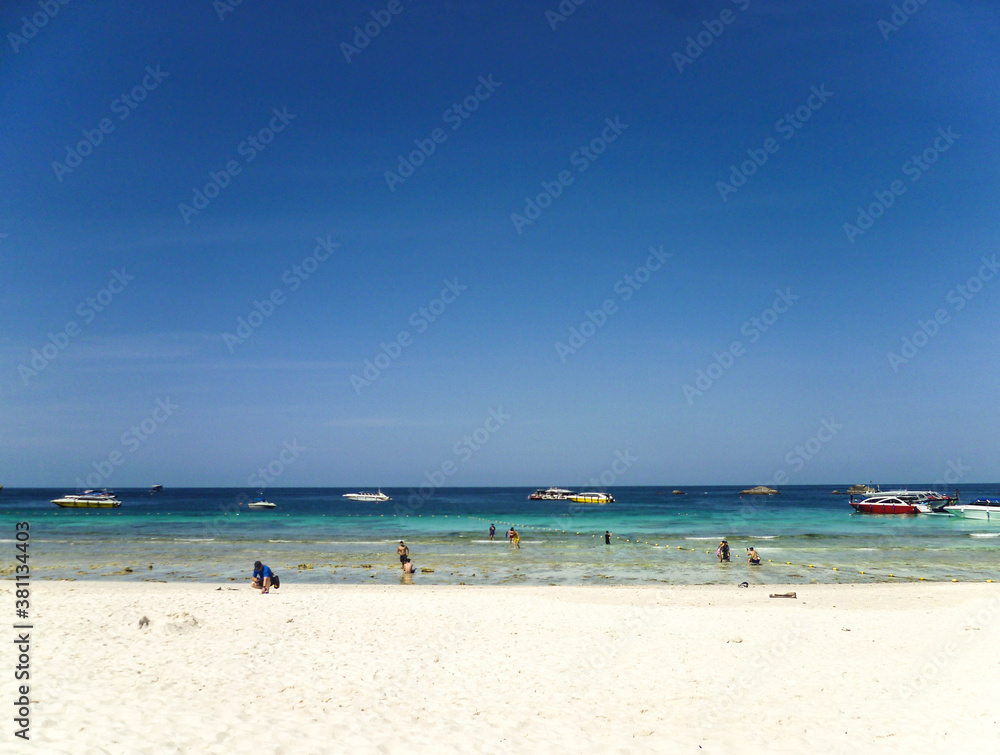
[(414, 669)]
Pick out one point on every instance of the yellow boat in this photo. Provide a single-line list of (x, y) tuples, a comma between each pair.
[(591, 498)]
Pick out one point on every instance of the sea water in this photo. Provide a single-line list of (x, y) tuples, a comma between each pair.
[(806, 534)]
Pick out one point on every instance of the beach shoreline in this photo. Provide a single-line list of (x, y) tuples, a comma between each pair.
[(510, 669)]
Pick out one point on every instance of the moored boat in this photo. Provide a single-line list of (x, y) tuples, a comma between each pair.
[(89, 499), (550, 494), (368, 496), (981, 508), (591, 498), (902, 502)]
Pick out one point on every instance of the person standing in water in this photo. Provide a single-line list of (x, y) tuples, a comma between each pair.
[(607, 537), (403, 552), (493, 531), (723, 551)]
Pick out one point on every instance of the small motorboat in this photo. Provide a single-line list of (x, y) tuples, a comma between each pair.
[(378, 497), (260, 503), (89, 499)]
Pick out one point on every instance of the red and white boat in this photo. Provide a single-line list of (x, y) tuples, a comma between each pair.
[(902, 502)]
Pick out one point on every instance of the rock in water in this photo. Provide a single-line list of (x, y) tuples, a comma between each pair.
[(760, 490)]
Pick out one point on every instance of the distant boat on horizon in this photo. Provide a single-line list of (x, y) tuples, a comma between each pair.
[(378, 497), (550, 494), (591, 498), (89, 499)]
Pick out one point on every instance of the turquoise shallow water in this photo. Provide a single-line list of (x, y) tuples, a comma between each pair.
[(205, 534)]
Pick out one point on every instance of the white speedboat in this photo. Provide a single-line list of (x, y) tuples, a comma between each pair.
[(260, 503), (591, 498), (981, 508), (378, 497), (550, 494), (89, 499)]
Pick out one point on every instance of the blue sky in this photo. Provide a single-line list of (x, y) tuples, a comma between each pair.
[(242, 171)]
